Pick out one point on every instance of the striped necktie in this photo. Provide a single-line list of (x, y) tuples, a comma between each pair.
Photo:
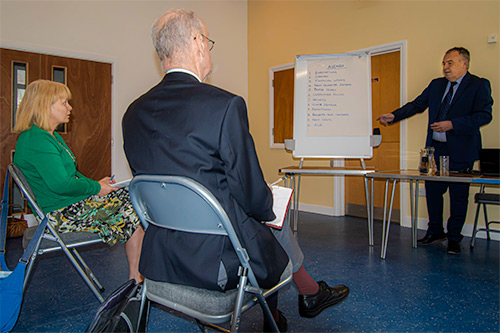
[(445, 104)]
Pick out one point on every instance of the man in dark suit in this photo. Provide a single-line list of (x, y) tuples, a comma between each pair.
[(185, 127), (459, 104)]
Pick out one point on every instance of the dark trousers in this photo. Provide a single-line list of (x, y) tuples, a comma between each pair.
[(459, 199)]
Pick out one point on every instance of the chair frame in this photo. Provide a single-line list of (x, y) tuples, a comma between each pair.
[(215, 223), (52, 241), (482, 201)]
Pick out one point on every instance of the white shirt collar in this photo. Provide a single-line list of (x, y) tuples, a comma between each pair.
[(183, 70)]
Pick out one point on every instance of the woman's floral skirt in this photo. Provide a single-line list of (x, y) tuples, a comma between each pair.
[(112, 216)]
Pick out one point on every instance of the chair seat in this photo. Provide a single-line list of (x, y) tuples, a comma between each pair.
[(206, 302), (69, 238), (487, 198)]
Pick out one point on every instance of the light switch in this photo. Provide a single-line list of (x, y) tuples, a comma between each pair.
[(492, 39)]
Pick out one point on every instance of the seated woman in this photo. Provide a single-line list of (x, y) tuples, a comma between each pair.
[(74, 202)]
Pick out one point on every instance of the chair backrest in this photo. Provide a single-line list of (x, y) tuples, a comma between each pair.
[(22, 183), (180, 203)]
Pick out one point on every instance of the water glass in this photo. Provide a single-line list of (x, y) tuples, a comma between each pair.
[(444, 165)]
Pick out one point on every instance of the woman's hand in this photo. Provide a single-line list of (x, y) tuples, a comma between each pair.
[(106, 187)]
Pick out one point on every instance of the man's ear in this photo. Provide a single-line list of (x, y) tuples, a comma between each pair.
[(200, 46)]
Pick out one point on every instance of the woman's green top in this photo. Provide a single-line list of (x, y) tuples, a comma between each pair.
[(50, 168)]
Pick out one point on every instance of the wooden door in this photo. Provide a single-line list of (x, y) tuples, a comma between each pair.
[(385, 98), (89, 131), (283, 84)]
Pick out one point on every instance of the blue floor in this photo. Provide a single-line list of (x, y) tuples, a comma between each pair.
[(414, 290)]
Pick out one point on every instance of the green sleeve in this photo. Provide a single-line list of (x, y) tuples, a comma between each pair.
[(58, 170)]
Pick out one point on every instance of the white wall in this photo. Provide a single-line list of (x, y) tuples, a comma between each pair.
[(119, 32)]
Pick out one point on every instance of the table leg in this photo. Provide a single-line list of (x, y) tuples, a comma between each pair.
[(296, 191), (412, 210), (415, 215), (371, 206), (368, 211), (382, 250), (387, 219)]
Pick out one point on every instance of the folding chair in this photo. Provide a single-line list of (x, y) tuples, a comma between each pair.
[(182, 204), (52, 240), (484, 199)]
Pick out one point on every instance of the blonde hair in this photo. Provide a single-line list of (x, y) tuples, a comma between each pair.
[(36, 103)]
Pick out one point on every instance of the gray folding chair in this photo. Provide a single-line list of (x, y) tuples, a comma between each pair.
[(483, 198), (52, 241), (182, 204)]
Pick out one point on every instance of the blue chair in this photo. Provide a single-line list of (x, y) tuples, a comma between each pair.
[(52, 241), (182, 204)]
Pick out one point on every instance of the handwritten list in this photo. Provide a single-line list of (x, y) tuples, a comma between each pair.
[(331, 108)]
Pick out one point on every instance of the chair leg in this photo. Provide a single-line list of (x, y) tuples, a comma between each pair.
[(88, 271), (144, 310), (235, 322), (29, 267), (474, 229), (486, 224), (267, 312), (81, 270)]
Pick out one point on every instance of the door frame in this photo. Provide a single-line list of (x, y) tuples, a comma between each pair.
[(272, 144), (339, 187)]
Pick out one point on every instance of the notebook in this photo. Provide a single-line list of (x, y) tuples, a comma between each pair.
[(489, 162), (281, 197)]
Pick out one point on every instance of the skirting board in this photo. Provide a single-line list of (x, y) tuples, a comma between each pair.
[(422, 223)]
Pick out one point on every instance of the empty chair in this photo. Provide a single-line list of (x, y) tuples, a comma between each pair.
[(484, 199), (52, 241), (182, 204)]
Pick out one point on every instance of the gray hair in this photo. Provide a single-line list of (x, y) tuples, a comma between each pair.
[(463, 52), (173, 34)]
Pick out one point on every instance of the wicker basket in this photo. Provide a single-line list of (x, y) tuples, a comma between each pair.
[(16, 224)]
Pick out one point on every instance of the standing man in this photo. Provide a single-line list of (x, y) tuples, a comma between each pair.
[(459, 104), (188, 128)]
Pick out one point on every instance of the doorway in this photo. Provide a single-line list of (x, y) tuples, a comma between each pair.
[(386, 94)]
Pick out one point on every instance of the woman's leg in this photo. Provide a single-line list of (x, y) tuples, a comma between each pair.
[(133, 250)]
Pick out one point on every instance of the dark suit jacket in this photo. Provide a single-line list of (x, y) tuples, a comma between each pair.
[(187, 128), (469, 110)]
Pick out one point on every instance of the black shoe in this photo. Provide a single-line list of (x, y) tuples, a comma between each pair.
[(311, 305), (429, 239), (453, 247), (281, 323)]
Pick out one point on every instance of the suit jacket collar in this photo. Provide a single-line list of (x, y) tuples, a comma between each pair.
[(179, 77)]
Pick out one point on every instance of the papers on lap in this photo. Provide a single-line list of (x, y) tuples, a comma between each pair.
[(123, 183), (281, 197)]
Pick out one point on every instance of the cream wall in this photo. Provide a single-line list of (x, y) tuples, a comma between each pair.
[(279, 30), (119, 32)]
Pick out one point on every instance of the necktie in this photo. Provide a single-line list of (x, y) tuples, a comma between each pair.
[(445, 104)]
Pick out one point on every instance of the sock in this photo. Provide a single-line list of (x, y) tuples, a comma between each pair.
[(272, 302), (276, 315), (306, 284)]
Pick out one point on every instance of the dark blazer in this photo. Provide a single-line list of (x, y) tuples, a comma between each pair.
[(187, 128), (469, 110)]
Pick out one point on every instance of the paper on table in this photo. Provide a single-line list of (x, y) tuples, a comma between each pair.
[(123, 183), (281, 197)]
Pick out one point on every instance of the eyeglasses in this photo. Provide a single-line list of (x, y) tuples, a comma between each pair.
[(211, 43)]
